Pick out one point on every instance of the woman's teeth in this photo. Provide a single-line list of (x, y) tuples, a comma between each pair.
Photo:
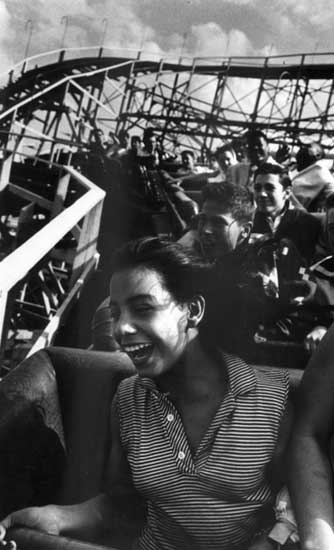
[(135, 347)]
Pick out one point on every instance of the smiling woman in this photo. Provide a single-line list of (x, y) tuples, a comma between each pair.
[(196, 433), (155, 298)]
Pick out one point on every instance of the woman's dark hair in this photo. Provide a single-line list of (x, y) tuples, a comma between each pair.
[(183, 272)]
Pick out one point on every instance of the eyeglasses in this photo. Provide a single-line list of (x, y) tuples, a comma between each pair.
[(217, 223)]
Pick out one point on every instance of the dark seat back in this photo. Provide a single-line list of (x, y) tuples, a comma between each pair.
[(54, 425)]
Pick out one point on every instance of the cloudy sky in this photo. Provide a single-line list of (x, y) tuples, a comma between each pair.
[(167, 27)]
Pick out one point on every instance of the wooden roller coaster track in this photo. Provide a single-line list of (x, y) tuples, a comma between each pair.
[(51, 107)]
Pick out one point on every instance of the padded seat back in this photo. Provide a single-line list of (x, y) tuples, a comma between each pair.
[(54, 425)]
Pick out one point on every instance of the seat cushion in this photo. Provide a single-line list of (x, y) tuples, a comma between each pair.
[(32, 445)]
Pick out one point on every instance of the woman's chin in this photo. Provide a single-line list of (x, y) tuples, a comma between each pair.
[(141, 360)]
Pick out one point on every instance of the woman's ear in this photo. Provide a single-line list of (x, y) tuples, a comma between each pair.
[(196, 308)]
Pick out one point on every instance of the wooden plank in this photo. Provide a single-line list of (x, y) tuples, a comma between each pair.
[(63, 255), (3, 305), (5, 169), (62, 188), (87, 241), (26, 213), (25, 217), (30, 196), (17, 265), (49, 333)]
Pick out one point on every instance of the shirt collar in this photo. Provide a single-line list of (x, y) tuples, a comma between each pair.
[(274, 223), (241, 377)]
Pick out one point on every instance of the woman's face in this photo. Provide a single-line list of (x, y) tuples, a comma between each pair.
[(149, 324)]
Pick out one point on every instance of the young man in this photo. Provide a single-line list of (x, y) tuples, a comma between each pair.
[(242, 173), (238, 297), (188, 161), (314, 182), (226, 157), (275, 216), (256, 280), (225, 220)]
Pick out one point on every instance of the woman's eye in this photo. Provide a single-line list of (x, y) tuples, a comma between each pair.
[(143, 309)]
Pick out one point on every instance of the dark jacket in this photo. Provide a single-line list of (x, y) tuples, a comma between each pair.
[(256, 284), (300, 227)]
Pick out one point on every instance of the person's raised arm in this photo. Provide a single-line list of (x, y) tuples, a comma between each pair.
[(310, 473), (89, 518)]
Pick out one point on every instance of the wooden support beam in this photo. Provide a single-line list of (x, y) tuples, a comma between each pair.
[(62, 188), (87, 241), (48, 334), (30, 196), (5, 169)]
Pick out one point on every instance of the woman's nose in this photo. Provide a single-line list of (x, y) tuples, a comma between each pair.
[(124, 325)]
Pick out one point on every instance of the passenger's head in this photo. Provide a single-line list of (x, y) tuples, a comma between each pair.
[(188, 159), (257, 147), (226, 157), (149, 139), (156, 302), (308, 154), (213, 161), (135, 143), (330, 222), (124, 137), (272, 188), (225, 220)]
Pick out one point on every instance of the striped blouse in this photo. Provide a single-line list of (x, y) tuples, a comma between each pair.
[(210, 500)]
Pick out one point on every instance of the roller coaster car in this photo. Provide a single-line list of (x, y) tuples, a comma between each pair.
[(54, 435)]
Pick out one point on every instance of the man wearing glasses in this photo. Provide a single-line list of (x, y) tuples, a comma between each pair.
[(256, 277)]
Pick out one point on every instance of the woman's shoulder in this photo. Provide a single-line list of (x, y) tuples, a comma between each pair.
[(244, 377), (128, 394), (272, 376), (128, 384)]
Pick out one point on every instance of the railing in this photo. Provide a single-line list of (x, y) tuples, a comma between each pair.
[(82, 219), (60, 83), (67, 54)]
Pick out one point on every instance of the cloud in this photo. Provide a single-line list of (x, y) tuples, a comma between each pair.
[(210, 40), (5, 37), (211, 27), (76, 23)]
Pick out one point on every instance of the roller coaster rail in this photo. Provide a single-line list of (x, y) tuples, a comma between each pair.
[(57, 108), (194, 102), (60, 55)]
